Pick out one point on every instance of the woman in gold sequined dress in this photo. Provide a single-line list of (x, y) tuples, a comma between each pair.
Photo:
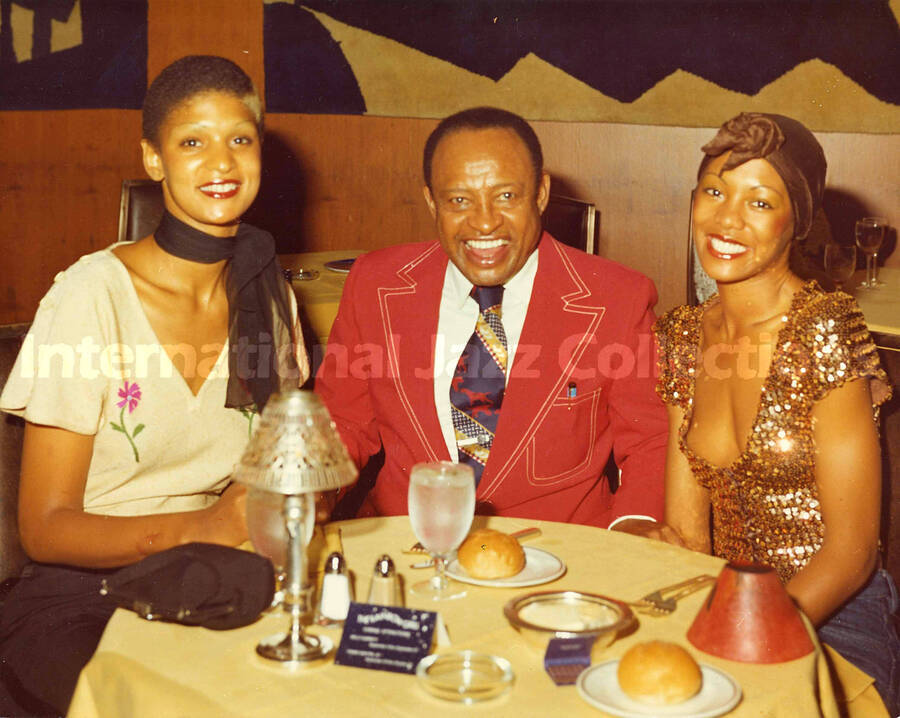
[(773, 387)]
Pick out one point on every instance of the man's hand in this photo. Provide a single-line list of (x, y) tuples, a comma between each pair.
[(651, 530)]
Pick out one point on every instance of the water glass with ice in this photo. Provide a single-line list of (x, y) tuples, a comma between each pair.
[(441, 503)]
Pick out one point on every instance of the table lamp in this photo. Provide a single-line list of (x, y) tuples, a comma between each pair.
[(295, 451)]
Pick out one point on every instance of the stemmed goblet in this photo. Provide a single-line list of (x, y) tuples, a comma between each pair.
[(869, 236), (840, 262), (441, 502)]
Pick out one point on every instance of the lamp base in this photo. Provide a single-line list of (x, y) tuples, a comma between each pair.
[(288, 648)]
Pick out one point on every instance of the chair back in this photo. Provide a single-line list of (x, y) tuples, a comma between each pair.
[(889, 353), (12, 429), (140, 208), (700, 286), (573, 222)]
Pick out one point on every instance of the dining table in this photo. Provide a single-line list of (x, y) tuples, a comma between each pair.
[(149, 669), (318, 287)]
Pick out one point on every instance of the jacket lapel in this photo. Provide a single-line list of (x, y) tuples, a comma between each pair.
[(562, 313), (409, 304)]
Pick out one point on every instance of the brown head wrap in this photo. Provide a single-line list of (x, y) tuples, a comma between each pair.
[(785, 144)]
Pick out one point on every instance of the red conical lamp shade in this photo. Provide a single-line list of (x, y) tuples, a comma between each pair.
[(749, 617)]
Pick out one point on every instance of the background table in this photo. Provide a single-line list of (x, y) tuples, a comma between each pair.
[(318, 298), (881, 307), (156, 669)]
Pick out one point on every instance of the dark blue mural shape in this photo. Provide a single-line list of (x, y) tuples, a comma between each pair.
[(624, 47), (305, 68), (109, 68)]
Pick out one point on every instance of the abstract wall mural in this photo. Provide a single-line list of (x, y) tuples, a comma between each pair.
[(72, 54), (834, 65)]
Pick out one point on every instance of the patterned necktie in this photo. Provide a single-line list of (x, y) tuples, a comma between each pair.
[(476, 391)]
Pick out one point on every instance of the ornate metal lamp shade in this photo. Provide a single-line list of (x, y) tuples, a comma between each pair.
[(295, 450)]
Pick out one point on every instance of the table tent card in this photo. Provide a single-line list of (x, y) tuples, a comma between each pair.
[(385, 638)]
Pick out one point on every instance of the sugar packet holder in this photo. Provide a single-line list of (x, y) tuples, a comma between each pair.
[(566, 658)]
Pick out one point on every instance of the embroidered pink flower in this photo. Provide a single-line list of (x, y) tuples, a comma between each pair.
[(130, 395)]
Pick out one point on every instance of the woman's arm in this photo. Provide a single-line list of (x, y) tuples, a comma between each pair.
[(54, 527), (686, 514), (687, 503), (848, 475)]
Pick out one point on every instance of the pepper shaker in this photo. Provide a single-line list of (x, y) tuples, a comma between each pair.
[(334, 600), (385, 587)]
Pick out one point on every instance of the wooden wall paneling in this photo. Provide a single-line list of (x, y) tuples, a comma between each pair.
[(356, 182), (640, 178), (230, 28), (60, 174), (335, 182)]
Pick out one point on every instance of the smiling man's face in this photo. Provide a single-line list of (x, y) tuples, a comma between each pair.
[(486, 206)]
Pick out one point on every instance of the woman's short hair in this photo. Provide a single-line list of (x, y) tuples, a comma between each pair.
[(784, 143), (484, 118), (193, 75)]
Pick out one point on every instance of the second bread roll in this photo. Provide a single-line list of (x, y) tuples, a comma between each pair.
[(659, 673), (488, 554)]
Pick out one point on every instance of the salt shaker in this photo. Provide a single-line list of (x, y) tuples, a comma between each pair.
[(334, 600), (385, 587)]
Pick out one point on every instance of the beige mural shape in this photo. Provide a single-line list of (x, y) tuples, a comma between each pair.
[(399, 81), (63, 35)]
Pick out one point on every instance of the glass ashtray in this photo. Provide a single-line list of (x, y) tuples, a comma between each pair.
[(465, 676)]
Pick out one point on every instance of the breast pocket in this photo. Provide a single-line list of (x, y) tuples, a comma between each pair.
[(564, 448)]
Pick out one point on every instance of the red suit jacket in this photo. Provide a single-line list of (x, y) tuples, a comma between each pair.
[(588, 323)]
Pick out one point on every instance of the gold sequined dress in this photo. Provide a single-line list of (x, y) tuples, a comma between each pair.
[(765, 504)]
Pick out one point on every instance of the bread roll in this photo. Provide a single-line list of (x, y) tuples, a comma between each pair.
[(659, 673), (488, 554)]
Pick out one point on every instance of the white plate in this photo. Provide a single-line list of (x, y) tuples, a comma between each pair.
[(540, 567), (599, 686), (341, 266)]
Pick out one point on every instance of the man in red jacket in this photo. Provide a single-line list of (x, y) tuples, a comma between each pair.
[(574, 347)]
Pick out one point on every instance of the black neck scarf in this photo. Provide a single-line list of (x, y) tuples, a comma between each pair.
[(261, 356)]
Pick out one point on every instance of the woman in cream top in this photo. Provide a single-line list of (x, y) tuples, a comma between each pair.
[(140, 380)]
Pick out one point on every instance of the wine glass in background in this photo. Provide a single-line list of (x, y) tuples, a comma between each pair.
[(840, 262), (869, 236), (441, 503), (268, 534)]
